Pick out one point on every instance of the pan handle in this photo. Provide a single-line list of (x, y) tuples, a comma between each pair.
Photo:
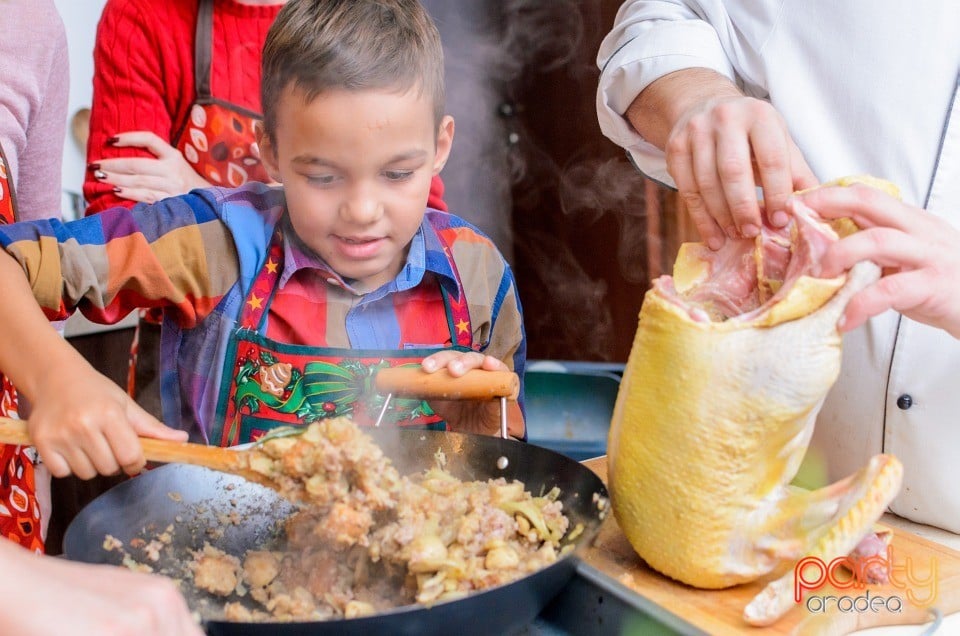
[(476, 384)]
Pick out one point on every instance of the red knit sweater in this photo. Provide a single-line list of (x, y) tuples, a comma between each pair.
[(143, 75)]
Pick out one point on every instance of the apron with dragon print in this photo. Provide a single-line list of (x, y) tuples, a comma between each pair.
[(218, 139), (19, 511), (268, 384)]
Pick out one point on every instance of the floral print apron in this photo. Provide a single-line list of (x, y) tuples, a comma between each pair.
[(19, 510), (267, 384)]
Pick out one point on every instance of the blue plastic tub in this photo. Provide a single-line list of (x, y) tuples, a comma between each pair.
[(569, 405)]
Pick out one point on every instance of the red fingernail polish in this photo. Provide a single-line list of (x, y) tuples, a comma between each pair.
[(93, 166), (112, 140)]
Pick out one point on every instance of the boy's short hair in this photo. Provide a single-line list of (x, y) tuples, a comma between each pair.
[(319, 45)]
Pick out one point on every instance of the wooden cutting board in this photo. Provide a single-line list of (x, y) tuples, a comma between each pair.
[(719, 611)]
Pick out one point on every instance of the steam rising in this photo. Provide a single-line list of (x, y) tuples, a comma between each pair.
[(541, 35), (494, 50), (489, 45), (580, 316), (592, 188)]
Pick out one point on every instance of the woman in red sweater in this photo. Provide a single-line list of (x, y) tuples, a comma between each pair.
[(176, 95), (145, 86)]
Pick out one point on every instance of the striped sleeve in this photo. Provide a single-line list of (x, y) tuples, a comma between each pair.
[(494, 302), (508, 338), (176, 254)]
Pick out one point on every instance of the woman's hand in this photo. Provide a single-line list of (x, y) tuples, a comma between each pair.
[(919, 254), (83, 423), (144, 179), (473, 416), (47, 595)]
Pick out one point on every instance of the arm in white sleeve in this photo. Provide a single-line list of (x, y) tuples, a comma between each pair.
[(649, 39)]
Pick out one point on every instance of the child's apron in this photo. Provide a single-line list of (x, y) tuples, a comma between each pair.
[(19, 511), (267, 384), (218, 140)]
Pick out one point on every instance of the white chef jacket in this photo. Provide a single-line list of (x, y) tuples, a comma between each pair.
[(865, 86)]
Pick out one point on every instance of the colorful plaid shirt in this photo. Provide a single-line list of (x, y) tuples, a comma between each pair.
[(195, 256)]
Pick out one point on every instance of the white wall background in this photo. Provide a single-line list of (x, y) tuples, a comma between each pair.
[(80, 18)]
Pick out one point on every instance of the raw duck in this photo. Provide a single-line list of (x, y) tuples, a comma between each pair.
[(732, 359)]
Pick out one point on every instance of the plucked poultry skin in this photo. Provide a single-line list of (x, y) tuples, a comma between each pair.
[(731, 362)]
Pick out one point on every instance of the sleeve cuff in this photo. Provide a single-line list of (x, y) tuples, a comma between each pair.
[(661, 49)]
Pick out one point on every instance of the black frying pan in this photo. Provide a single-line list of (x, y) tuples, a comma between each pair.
[(145, 502)]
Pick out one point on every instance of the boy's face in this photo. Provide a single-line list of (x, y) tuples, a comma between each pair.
[(356, 168)]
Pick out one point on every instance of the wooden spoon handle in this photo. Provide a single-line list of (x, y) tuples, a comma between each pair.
[(155, 450), (476, 384), (14, 432), (216, 457)]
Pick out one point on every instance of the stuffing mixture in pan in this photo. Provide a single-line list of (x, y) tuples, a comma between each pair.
[(366, 539)]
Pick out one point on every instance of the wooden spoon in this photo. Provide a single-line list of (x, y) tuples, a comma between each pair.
[(406, 381), (226, 460)]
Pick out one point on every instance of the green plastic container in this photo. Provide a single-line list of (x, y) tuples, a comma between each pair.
[(569, 406)]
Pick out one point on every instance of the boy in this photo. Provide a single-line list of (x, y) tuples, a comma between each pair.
[(279, 302), (159, 128)]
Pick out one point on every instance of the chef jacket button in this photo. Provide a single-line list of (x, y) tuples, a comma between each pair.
[(904, 401)]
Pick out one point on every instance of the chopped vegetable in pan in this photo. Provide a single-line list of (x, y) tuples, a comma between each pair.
[(366, 539)]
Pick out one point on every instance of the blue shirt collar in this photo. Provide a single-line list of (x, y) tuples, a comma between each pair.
[(427, 253)]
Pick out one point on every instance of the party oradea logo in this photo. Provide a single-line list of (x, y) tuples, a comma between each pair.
[(844, 584)]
